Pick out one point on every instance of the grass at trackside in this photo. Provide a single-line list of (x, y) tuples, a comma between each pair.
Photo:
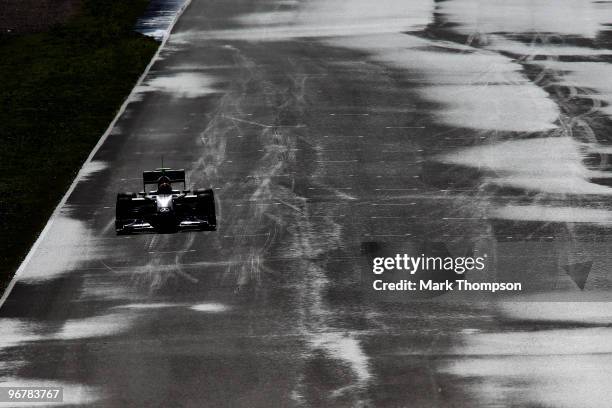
[(59, 90)]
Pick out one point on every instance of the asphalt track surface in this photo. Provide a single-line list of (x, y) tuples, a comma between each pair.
[(330, 131)]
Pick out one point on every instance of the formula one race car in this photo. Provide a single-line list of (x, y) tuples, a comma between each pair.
[(165, 209)]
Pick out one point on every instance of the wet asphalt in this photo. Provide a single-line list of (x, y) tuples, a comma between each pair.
[(333, 132)]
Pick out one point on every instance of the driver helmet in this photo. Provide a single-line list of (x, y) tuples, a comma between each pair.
[(164, 186)]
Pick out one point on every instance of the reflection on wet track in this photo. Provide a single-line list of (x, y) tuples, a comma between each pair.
[(331, 130)]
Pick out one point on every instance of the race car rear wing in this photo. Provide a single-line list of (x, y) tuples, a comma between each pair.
[(152, 177)]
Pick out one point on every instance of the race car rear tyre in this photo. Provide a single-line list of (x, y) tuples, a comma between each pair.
[(122, 211), (207, 202), (122, 207)]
